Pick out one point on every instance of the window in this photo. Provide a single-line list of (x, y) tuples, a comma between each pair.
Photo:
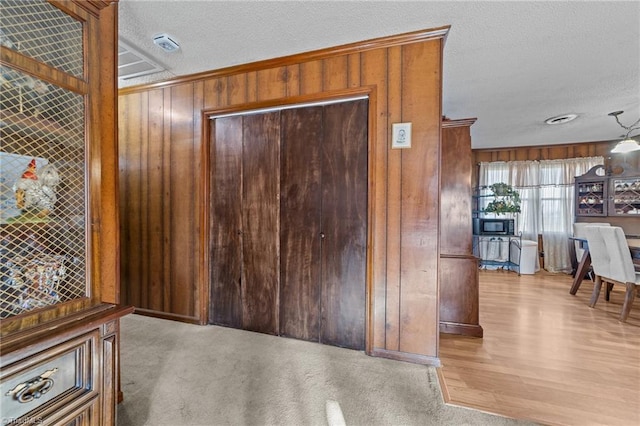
[(546, 191)]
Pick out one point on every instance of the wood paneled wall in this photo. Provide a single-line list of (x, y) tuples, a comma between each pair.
[(163, 166), (555, 152)]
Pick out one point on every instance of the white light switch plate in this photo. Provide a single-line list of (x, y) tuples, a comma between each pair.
[(401, 135)]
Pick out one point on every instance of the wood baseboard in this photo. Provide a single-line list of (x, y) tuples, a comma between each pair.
[(168, 316), (406, 356), (463, 329)]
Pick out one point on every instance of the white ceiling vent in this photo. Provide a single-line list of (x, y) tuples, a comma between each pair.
[(166, 43), (132, 63), (561, 119)]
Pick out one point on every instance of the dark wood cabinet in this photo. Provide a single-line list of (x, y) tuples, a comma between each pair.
[(458, 274), (295, 265)]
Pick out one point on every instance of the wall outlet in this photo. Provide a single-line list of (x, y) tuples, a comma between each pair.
[(401, 135)]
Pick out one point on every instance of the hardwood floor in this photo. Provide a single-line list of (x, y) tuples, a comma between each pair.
[(546, 356)]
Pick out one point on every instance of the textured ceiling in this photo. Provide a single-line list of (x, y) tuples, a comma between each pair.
[(510, 64)]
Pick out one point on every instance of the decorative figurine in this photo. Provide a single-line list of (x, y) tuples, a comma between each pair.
[(36, 191)]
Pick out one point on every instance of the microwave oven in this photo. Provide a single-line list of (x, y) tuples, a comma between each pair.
[(493, 226)]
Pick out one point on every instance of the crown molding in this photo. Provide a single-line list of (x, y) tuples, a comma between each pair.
[(345, 49)]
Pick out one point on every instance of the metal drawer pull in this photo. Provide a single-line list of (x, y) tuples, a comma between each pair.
[(33, 388)]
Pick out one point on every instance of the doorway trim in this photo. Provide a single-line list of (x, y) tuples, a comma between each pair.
[(362, 92)]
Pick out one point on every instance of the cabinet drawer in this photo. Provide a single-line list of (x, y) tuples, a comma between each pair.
[(33, 388)]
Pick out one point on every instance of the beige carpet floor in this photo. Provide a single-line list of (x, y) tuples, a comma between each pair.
[(181, 374)]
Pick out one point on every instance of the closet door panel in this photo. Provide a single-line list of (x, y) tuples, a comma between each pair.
[(300, 223), (226, 222), (260, 222), (344, 224)]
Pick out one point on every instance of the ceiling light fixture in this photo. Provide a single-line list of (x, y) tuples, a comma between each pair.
[(561, 119), (627, 144)]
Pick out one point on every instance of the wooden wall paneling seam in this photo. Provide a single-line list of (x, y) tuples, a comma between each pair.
[(270, 83), (354, 70), (200, 301), (420, 36), (167, 201), (372, 220), (336, 73), (252, 86), (133, 140), (122, 192), (206, 126), (311, 74), (154, 140), (182, 187), (292, 80), (373, 71), (419, 201), (236, 89), (393, 322), (211, 94), (143, 201)]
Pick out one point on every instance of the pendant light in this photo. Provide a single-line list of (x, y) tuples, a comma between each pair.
[(627, 144)]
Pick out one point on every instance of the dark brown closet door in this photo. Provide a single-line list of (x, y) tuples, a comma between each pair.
[(300, 206), (260, 222), (226, 222), (344, 224)]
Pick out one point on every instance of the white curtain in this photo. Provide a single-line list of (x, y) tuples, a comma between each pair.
[(547, 192)]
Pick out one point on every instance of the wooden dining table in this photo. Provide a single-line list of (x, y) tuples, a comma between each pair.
[(585, 262)]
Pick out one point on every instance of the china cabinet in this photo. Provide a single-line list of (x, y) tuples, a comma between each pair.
[(59, 317), (591, 193), (608, 193), (625, 196)]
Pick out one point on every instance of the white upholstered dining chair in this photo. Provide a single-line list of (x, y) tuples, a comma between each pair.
[(579, 232), (612, 263), (576, 252)]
